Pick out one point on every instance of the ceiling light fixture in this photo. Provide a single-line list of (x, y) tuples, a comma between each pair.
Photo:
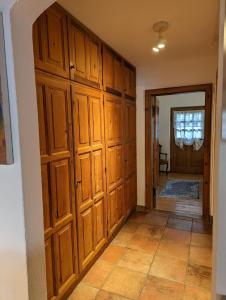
[(160, 27)]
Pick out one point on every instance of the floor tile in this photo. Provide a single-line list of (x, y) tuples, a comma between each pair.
[(201, 240), (113, 254), (143, 243), (199, 276), (169, 268), (136, 260), (200, 226), (83, 291), (98, 273), (194, 293), (154, 232), (172, 249), (130, 227), (162, 289), (125, 282), (155, 219), (122, 238), (137, 217), (103, 295), (178, 236), (179, 224), (201, 256)]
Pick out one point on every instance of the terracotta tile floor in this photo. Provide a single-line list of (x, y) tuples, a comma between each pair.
[(155, 256)]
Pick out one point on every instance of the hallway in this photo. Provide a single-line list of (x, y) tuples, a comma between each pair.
[(155, 256)]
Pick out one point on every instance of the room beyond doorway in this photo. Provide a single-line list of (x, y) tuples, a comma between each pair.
[(178, 129)]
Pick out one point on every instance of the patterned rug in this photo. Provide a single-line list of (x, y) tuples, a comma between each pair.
[(188, 189)]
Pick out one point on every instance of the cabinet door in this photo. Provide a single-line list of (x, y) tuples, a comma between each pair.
[(51, 42), (127, 81), (93, 61), (108, 69), (118, 75), (78, 54)]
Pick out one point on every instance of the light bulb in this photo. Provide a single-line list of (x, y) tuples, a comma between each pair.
[(161, 45), (155, 49)]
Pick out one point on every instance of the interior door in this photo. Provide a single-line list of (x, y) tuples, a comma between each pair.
[(185, 160)]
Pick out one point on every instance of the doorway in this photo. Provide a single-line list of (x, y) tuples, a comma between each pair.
[(177, 145)]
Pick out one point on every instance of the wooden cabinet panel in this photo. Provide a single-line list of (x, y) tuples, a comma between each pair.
[(65, 264), (40, 88), (119, 83), (114, 165), (120, 202), (108, 69), (83, 177), (51, 43), (81, 117), (86, 237), (98, 173), (97, 121), (57, 99), (51, 292), (112, 211), (130, 81), (119, 163), (78, 55), (60, 187), (99, 223), (94, 66), (37, 40), (113, 119), (46, 197)]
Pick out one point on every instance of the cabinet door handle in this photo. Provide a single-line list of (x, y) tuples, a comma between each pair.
[(72, 67)]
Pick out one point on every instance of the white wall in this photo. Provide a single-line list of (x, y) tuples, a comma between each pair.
[(195, 70), (165, 105)]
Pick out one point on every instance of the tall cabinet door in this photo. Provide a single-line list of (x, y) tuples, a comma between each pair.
[(90, 171), (54, 111), (130, 155), (51, 42), (114, 159)]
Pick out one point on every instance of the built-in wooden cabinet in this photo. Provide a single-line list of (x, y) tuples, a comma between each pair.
[(85, 55), (87, 128)]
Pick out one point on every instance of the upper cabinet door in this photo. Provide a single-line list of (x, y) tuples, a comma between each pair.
[(51, 42), (130, 81), (94, 59), (78, 55), (108, 69), (118, 75), (85, 56)]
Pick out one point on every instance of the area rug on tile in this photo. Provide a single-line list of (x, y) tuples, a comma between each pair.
[(189, 189)]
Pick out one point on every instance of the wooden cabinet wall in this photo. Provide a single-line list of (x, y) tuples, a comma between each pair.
[(87, 127)]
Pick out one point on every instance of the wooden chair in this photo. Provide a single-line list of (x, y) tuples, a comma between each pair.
[(163, 160)]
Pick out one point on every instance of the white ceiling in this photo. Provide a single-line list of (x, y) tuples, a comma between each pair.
[(126, 25)]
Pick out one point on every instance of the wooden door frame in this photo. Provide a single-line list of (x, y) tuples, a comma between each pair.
[(181, 108), (149, 99)]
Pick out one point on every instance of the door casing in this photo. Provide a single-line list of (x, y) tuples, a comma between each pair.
[(149, 164)]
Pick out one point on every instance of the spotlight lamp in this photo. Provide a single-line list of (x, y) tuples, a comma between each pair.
[(159, 28)]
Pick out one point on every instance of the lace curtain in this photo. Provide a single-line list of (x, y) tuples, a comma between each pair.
[(189, 128)]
